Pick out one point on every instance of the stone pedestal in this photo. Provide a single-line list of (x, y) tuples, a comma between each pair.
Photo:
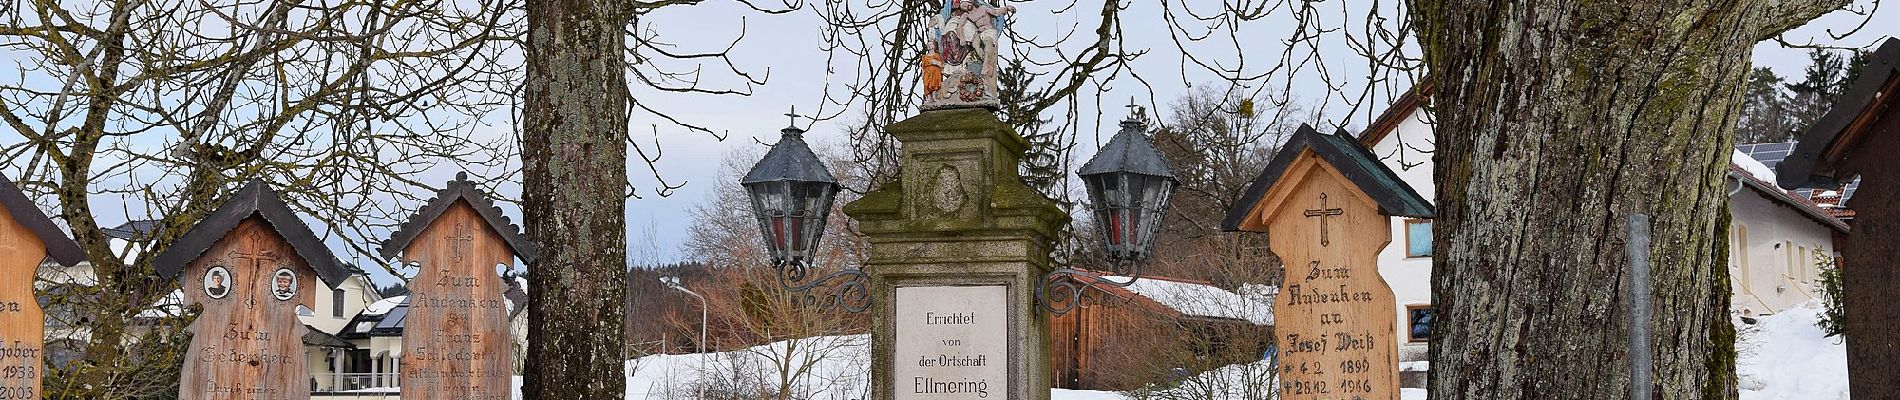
[(957, 240)]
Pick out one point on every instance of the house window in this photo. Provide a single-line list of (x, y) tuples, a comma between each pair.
[(1787, 249), (1420, 325), (1806, 261), (336, 303), (1418, 238)]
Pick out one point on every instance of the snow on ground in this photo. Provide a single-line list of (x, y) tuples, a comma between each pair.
[(1784, 356), (838, 368)]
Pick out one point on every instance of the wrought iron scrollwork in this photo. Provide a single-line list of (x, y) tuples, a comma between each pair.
[(847, 289), (1066, 289)]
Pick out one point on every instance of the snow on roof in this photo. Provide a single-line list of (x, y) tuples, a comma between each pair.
[(1199, 300), (1749, 164), (383, 306)]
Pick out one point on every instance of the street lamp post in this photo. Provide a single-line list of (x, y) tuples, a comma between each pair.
[(674, 282)]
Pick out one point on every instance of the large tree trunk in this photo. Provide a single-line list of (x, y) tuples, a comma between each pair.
[(574, 152), (1555, 121)]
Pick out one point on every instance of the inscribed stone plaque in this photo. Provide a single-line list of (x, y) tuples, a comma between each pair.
[(1335, 314), (952, 342), (455, 342), (247, 343), (21, 321)]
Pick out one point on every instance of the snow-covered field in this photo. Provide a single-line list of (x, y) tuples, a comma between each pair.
[(1782, 357)]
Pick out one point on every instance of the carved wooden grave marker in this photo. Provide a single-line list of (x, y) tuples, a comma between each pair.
[(249, 263), (456, 341), (27, 237), (1324, 203)]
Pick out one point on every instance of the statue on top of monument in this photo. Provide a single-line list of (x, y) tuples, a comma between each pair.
[(960, 62)]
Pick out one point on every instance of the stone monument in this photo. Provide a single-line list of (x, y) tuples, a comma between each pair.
[(960, 60), (249, 263), (1325, 204), (456, 345), (27, 237), (958, 242)]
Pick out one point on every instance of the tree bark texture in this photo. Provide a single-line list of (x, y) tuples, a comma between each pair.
[(1555, 121), (574, 155)]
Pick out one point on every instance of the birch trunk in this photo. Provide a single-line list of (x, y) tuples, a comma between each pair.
[(1555, 121), (574, 155)]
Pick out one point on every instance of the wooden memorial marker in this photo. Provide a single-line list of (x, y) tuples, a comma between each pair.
[(456, 341), (1324, 203), (27, 237), (249, 263)]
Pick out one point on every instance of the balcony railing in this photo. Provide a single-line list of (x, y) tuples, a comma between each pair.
[(368, 382)]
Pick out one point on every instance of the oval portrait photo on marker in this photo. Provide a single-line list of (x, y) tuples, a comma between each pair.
[(217, 282), (283, 284)]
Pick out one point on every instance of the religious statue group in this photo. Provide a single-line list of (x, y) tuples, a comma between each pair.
[(960, 66)]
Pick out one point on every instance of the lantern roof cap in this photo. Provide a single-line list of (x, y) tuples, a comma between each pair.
[(1353, 161), (1129, 151), (789, 160)]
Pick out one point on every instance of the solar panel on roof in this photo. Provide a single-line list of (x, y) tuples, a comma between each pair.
[(1771, 154), (394, 319)]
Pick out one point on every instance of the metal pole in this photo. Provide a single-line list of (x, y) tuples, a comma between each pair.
[(702, 330), (1641, 359)]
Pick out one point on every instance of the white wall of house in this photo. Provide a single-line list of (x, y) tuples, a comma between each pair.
[(1407, 152), (1772, 254), (358, 293)]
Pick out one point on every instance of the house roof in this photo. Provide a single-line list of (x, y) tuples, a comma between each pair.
[(1833, 138), (384, 318), (1401, 108), (460, 189), (1202, 299), (134, 229), (28, 214), (255, 199), (1754, 175), (314, 337), (1351, 159), (1183, 298), (1771, 154)]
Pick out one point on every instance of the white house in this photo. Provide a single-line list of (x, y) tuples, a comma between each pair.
[(1776, 237), (1778, 241)]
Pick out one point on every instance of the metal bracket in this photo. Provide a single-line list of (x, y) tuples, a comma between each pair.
[(852, 290), (1066, 289)]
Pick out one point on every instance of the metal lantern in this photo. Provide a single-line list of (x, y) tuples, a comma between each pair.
[(791, 196), (1129, 184)]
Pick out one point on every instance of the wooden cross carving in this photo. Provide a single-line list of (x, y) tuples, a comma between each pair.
[(459, 242), (1324, 213), (256, 259)]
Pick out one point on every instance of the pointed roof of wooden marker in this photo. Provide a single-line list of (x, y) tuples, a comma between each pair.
[(1353, 161), (464, 190), (256, 198), (28, 214)]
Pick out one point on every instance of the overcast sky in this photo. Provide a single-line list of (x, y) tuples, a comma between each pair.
[(789, 46)]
